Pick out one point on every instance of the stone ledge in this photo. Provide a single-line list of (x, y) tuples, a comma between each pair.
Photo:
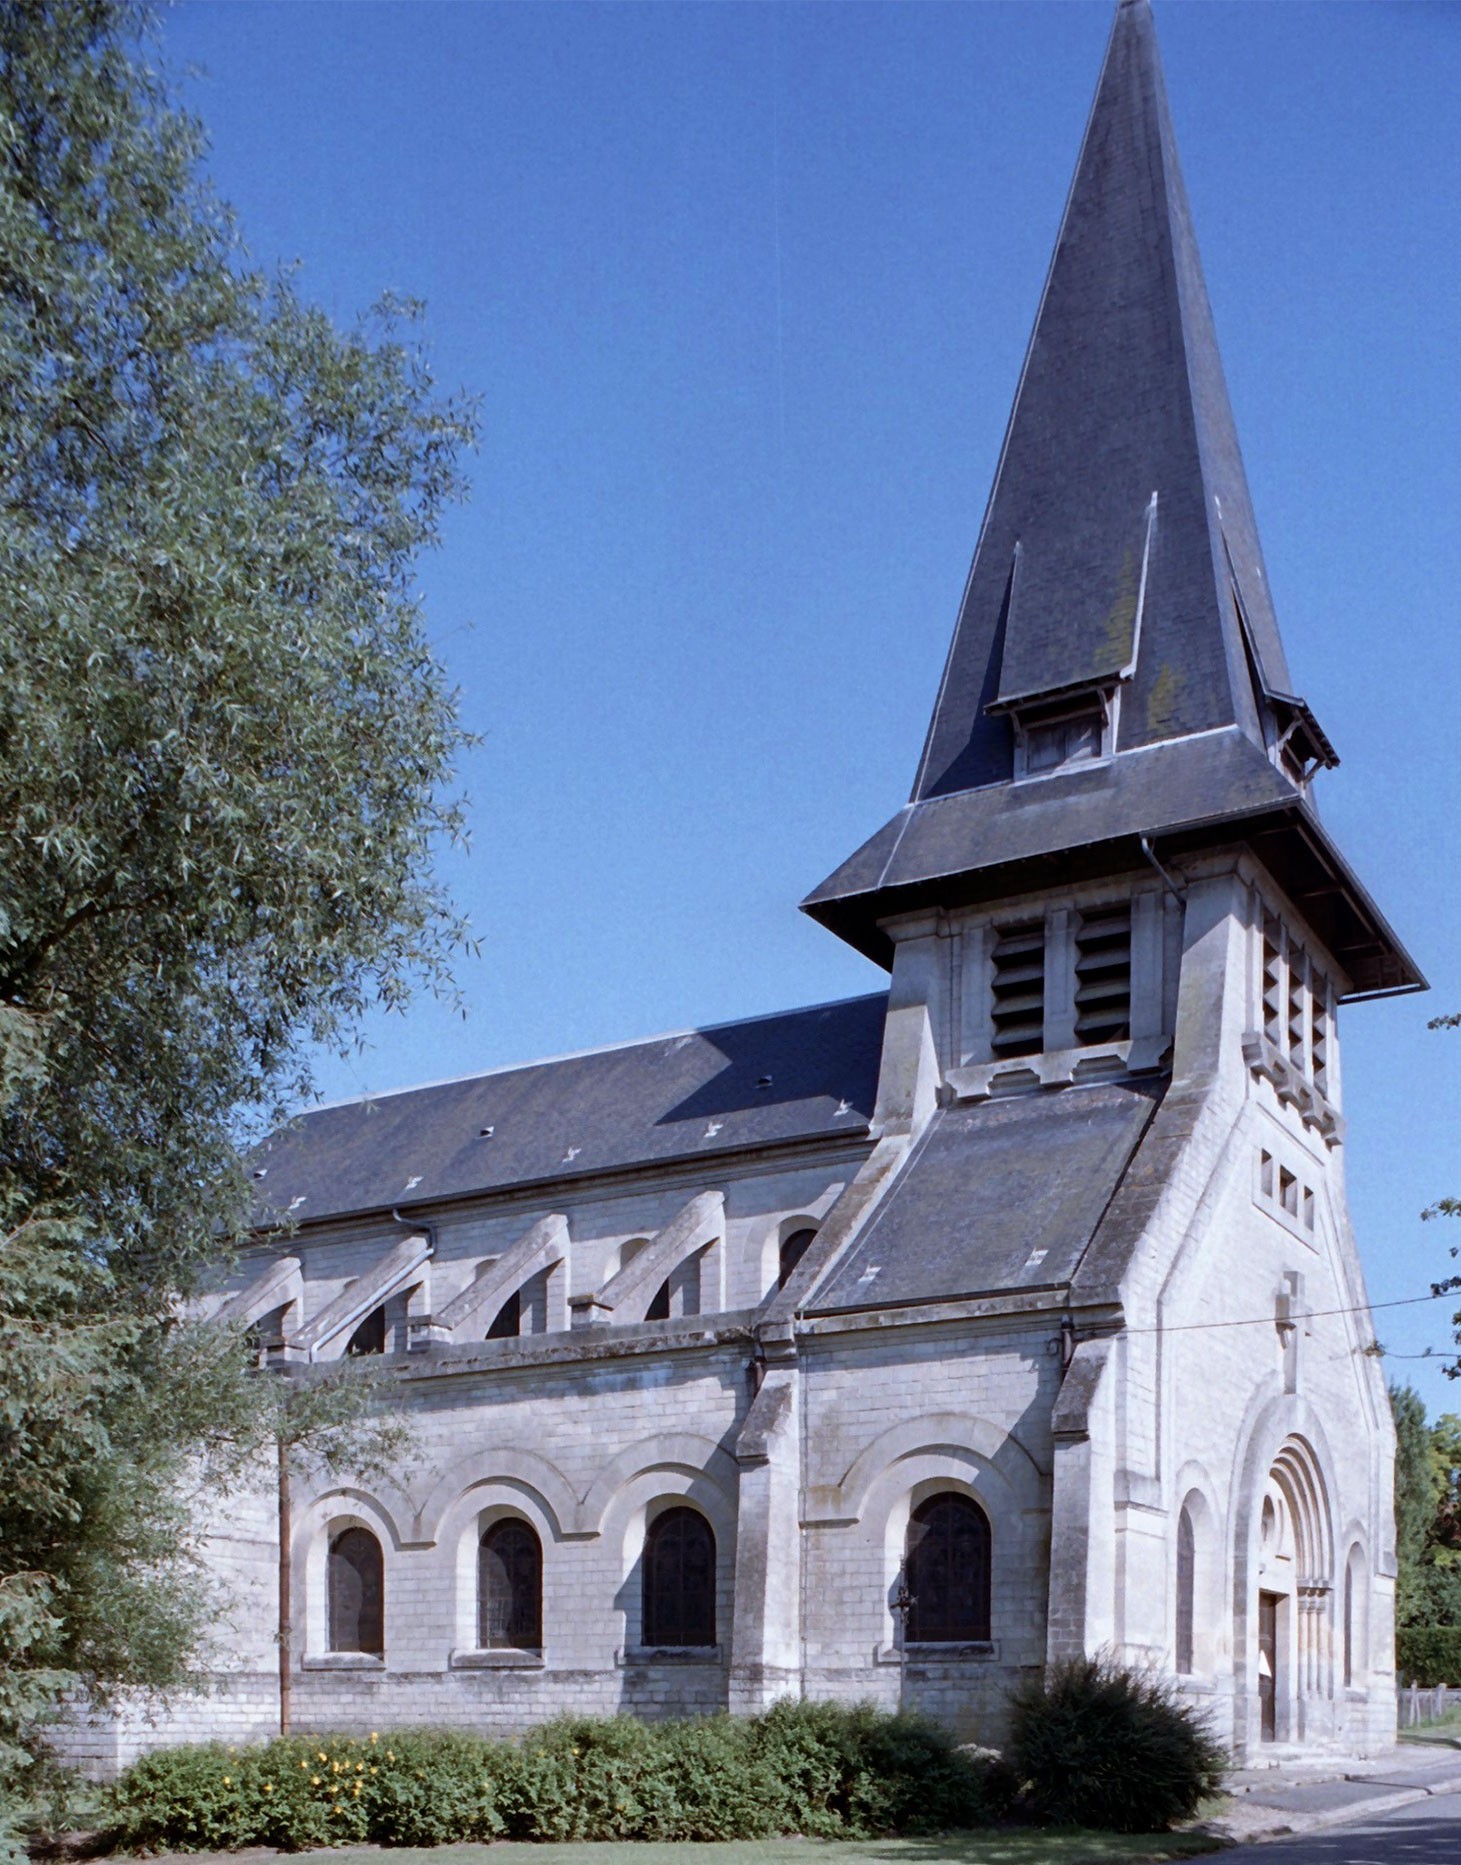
[(921, 1655), (635, 1657), (498, 1658), (343, 1661)]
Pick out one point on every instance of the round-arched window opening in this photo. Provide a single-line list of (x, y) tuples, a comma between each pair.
[(946, 1569), (356, 1590), (793, 1249), (1186, 1595), (679, 1580), (510, 1588)]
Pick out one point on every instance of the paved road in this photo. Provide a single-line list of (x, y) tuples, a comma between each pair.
[(1427, 1832)]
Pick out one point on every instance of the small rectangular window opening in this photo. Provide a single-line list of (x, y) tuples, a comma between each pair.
[(1288, 1191), (1308, 1209), (1053, 743), (1265, 1174), (1018, 989)]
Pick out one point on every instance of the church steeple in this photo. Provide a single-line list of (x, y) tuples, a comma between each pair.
[(1116, 673), (1119, 542)]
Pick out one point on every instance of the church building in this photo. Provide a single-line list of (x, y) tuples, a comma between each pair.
[(894, 1349)]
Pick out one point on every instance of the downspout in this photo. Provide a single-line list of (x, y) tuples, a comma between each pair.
[(286, 1583), (1174, 888)]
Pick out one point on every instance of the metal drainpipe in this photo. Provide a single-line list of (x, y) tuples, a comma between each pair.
[(1174, 888)]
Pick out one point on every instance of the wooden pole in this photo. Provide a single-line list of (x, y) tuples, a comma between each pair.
[(286, 1583)]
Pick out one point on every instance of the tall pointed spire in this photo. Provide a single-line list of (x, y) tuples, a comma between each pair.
[(1079, 578), (1117, 639)]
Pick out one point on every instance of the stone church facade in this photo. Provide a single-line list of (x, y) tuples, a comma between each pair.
[(893, 1349)]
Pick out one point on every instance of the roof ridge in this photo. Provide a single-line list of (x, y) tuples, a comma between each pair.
[(369, 1096)]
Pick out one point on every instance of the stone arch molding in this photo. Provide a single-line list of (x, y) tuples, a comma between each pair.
[(346, 1505), (994, 1460), (468, 1481), (1284, 1424), (685, 1452)]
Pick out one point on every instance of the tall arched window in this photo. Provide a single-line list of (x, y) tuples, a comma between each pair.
[(946, 1571), (1349, 1625), (510, 1588), (1186, 1592), (356, 1586), (793, 1249), (679, 1579)]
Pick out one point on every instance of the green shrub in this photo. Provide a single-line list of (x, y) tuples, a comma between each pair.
[(858, 1770), (303, 1791), (1094, 1745), (817, 1768), (1428, 1655)]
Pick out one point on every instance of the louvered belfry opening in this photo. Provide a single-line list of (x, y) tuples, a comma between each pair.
[(1298, 1007), (1103, 975), (1018, 986), (1272, 980)]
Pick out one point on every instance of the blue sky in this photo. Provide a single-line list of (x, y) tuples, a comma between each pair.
[(744, 291)]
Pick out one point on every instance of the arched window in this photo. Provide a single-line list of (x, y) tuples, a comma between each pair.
[(370, 1336), (1186, 1592), (1349, 1625), (510, 1588), (679, 1580), (946, 1571), (356, 1586), (793, 1249), (507, 1322)]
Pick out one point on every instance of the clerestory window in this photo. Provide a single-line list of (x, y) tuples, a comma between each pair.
[(370, 1336)]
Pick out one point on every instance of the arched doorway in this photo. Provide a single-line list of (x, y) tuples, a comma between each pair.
[(1293, 1632)]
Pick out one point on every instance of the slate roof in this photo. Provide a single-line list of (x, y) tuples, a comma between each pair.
[(1122, 396), (998, 1195), (978, 844), (700, 1095), (1080, 580)]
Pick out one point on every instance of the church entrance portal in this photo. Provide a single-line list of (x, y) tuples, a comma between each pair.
[(1294, 1659)]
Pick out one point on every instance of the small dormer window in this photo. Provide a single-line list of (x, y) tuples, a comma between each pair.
[(1057, 742), (1054, 734)]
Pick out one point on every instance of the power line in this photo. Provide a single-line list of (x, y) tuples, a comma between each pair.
[(1305, 1314)]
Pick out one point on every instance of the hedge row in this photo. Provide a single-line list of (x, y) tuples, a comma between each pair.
[(821, 1769), (1428, 1655)]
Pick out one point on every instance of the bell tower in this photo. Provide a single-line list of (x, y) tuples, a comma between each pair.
[(1116, 702), (1110, 898)]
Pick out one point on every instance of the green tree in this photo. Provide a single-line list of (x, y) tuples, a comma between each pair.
[(225, 762), (1415, 1502), (1427, 1513)]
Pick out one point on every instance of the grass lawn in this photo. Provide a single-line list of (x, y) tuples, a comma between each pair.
[(1018, 1846), (1446, 1730)]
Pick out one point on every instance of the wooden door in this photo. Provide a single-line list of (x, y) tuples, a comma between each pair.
[(1267, 1663)]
